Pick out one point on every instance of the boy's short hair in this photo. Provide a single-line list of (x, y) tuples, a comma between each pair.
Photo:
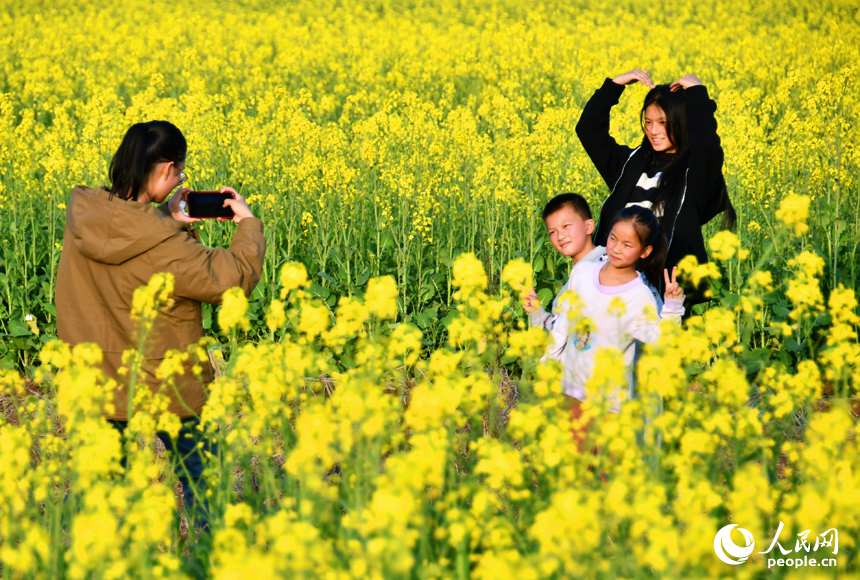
[(575, 201)]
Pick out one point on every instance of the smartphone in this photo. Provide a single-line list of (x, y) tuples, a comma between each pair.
[(208, 204)]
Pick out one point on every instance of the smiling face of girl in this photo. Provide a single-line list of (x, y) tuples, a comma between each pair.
[(654, 125), (623, 247)]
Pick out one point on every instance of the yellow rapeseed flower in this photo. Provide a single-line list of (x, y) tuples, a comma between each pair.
[(794, 212), (234, 305)]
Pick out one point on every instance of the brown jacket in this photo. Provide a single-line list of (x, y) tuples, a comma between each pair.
[(112, 247)]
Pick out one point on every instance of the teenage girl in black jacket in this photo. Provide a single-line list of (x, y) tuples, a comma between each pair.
[(677, 171)]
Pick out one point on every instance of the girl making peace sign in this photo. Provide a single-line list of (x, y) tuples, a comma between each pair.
[(617, 302)]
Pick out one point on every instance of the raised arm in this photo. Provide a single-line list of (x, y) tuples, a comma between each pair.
[(706, 153), (204, 274), (593, 126), (700, 109), (647, 327)]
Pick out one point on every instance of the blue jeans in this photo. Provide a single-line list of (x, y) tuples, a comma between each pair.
[(187, 460)]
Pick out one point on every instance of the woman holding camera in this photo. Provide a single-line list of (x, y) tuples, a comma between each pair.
[(115, 240)]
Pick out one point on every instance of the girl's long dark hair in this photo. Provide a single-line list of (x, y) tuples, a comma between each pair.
[(672, 181), (144, 146), (650, 233)]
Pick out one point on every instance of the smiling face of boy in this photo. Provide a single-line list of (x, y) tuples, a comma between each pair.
[(569, 233)]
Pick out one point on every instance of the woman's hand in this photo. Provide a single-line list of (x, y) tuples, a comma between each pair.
[(685, 81), (530, 301), (237, 204), (633, 76), (673, 289), (177, 203)]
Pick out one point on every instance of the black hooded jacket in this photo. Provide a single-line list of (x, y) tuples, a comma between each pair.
[(704, 195)]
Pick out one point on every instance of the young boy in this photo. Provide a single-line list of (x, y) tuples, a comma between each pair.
[(569, 224)]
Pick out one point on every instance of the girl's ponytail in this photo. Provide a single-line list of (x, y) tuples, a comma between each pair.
[(650, 233), (144, 146), (653, 265)]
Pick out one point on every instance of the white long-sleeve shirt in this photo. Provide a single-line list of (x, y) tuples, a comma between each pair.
[(639, 322), (546, 319)]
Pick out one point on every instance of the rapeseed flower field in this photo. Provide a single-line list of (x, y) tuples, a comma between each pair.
[(380, 410)]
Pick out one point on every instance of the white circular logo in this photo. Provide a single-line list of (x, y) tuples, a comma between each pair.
[(723, 545)]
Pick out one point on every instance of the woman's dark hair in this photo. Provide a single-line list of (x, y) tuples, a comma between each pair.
[(650, 233), (674, 174), (144, 146)]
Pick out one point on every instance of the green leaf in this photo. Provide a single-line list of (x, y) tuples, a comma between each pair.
[(329, 279), (840, 226), (18, 328), (450, 318), (538, 264), (793, 345), (8, 362), (347, 360), (730, 300), (754, 360), (546, 295), (780, 311), (694, 368), (421, 320), (24, 343), (427, 293), (362, 280), (257, 294), (823, 319), (319, 291)]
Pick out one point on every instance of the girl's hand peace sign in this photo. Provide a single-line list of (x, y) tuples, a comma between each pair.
[(631, 77), (673, 289)]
